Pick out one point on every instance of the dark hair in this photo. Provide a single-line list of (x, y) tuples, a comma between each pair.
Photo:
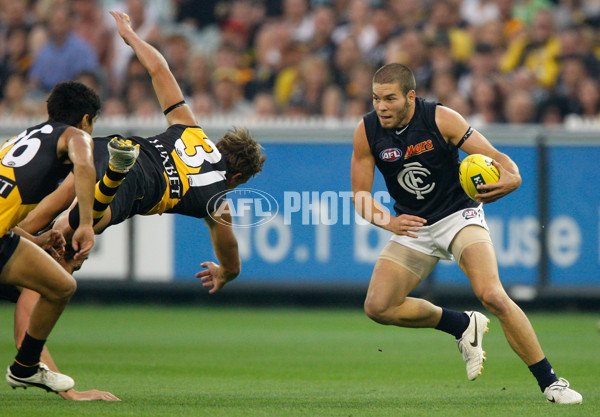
[(69, 101), (396, 73), (242, 153)]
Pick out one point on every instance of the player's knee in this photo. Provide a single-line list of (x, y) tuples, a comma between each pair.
[(62, 290), (377, 311), (495, 300)]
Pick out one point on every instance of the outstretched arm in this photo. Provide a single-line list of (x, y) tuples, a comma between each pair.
[(226, 248), (165, 85), (25, 304)]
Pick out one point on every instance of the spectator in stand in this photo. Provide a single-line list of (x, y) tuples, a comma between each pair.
[(483, 63), (573, 71), (460, 104), (311, 88), (15, 102), (588, 98), (444, 21), (537, 49), (203, 104), (285, 81), (271, 40), (347, 56), (321, 43), (382, 21), (511, 26), (519, 108), (492, 34), (297, 19), (113, 107), (240, 26), (228, 93), (359, 26), (16, 58), (407, 15), (476, 12), (64, 55), (409, 49), (486, 97), (198, 74), (264, 106), (355, 109), (89, 23), (359, 87), (13, 16), (443, 86), (176, 50), (579, 43), (194, 13)]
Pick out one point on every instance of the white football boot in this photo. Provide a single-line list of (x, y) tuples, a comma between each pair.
[(44, 378), (123, 154), (470, 343), (560, 393)]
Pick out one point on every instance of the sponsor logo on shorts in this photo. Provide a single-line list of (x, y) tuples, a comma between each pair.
[(470, 213), (390, 154)]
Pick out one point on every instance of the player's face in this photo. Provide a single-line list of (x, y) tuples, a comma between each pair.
[(393, 108)]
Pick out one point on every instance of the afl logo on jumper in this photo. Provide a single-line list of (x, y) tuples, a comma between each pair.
[(411, 179), (390, 154)]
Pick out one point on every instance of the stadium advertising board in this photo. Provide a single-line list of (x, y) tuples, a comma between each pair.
[(296, 224)]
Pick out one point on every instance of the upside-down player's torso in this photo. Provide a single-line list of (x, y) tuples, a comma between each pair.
[(419, 167), (185, 170)]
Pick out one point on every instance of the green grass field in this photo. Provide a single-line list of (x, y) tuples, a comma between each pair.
[(188, 361)]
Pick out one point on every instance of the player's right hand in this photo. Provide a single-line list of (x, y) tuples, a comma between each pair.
[(83, 241), (123, 23), (406, 225), (91, 395)]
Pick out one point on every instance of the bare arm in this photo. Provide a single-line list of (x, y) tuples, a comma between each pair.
[(165, 85), (52, 241), (453, 126), (78, 145), (362, 172), (50, 207), (226, 248)]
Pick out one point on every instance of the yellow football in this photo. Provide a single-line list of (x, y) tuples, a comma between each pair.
[(477, 169)]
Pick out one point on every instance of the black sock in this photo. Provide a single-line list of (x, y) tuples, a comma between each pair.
[(28, 358), (543, 372), (453, 322)]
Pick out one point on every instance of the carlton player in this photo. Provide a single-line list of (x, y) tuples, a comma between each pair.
[(414, 143)]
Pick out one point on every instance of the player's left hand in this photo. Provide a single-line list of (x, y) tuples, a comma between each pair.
[(507, 183), (91, 395), (83, 241), (212, 276)]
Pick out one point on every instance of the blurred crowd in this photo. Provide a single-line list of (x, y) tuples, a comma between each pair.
[(494, 61)]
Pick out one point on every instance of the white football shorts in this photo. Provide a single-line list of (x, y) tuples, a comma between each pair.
[(435, 240)]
